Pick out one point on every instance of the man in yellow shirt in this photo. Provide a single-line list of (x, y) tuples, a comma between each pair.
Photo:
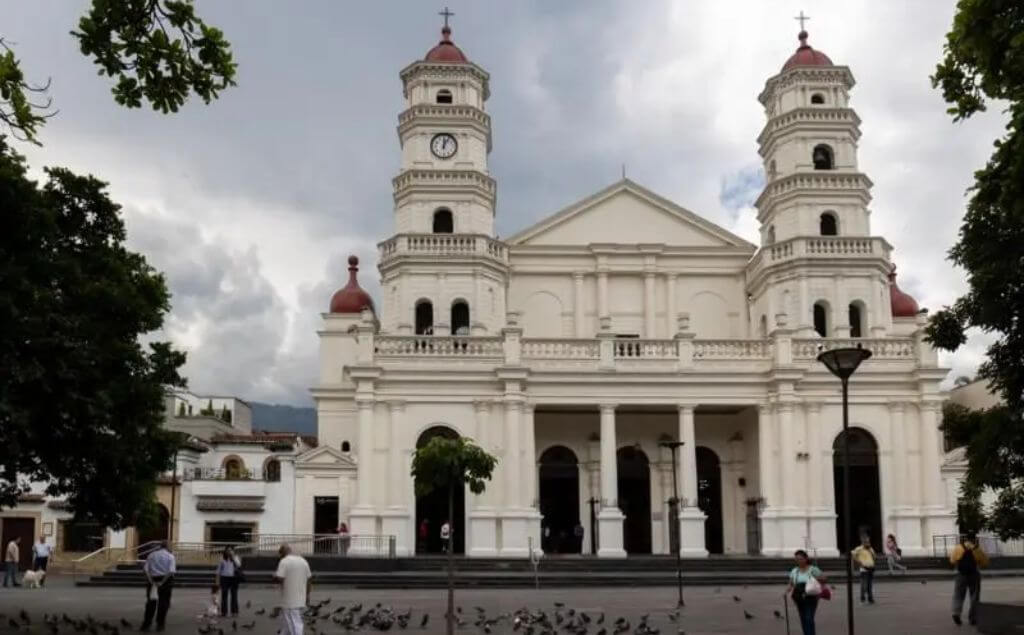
[(864, 556), (968, 559)]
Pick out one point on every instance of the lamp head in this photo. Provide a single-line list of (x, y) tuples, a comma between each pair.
[(842, 362)]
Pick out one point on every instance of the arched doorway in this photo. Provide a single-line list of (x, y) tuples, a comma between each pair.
[(635, 499), (709, 498), (865, 495), (154, 529), (560, 500), (433, 508)]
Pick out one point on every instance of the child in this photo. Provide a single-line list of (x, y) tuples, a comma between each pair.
[(212, 612)]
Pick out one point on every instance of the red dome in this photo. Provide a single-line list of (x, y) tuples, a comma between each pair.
[(806, 56), (351, 298), (446, 51), (903, 304)]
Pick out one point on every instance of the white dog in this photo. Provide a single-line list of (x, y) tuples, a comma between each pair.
[(31, 579)]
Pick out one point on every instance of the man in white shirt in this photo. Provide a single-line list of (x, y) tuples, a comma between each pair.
[(11, 557), (160, 568), (41, 557), (295, 578)]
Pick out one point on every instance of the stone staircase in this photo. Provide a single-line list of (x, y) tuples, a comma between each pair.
[(428, 572)]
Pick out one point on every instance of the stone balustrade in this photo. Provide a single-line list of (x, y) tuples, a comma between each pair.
[(402, 346), (732, 349), (442, 246), (555, 348), (644, 349), (823, 247), (885, 348)]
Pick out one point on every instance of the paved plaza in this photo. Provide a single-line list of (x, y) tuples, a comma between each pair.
[(910, 608)]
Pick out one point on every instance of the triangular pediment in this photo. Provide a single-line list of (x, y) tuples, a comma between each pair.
[(324, 457), (627, 213)]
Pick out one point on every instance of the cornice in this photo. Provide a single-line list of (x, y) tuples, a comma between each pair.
[(799, 74), (444, 116), (447, 70), (446, 181), (804, 119), (816, 183)]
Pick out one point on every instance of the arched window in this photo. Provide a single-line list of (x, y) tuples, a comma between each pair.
[(460, 318), (770, 238), (817, 98), (443, 222), (821, 318), (856, 320), (823, 157), (444, 96), (424, 318), (272, 471), (346, 446), (234, 469), (828, 224)]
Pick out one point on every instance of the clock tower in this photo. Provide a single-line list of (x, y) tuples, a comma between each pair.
[(443, 272)]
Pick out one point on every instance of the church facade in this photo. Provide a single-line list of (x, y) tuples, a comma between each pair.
[(579, 349)]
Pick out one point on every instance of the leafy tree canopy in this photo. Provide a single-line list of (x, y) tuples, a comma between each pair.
[(451, 462), (984, 62), (159, 51), (81, 399)]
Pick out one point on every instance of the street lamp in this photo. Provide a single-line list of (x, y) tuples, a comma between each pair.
[(842, 362), (674, 503)]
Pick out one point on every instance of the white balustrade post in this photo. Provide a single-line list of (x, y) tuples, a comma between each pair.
[(577, 304), (606, 343), (649, 305), (684, 341), (512, 344)]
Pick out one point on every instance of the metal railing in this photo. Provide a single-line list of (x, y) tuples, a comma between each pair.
[(943, 545), (370, 546), (79, 563)]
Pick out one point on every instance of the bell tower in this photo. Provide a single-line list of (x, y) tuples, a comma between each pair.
[(442, 271), (819, 265)]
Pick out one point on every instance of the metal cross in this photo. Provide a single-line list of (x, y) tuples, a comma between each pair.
[(801, 18), (447, 14)]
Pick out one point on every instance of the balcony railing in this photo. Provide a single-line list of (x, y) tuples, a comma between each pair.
[(732, 349), (645, 349), (823, 247), (220, 474), (884, 348), (438, 346), (442, 246)]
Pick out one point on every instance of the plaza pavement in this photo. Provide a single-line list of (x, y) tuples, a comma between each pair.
[(902, 608)]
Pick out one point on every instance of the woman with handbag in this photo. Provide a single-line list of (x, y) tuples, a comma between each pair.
[(229, 576), (893, 555), (806, 584)]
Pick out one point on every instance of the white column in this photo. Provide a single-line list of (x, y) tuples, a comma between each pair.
[(803, 321), (396, 519), (649, 307), (483, 534), (931, 439), (787, 455), (397, 473), (530, 496), (577, 303), (670, 304), (900, 451), (765, 454), (364, 453), (602, 294), (841, 311), (691, 518), (512, 458), (610, 517)]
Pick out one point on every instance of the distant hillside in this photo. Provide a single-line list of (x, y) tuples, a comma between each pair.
[(280, 418)]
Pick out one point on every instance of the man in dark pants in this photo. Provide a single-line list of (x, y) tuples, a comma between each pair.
[(41, 557), (160, 568)]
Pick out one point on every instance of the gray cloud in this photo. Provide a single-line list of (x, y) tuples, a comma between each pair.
[(252, 204)]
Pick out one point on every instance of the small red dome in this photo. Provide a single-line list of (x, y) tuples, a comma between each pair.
[(446, 51), (806, 56), (903, 304), (351, 298)]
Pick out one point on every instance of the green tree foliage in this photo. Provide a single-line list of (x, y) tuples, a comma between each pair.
[(159, 51), (81, 399), (445, 464), (984, 62)]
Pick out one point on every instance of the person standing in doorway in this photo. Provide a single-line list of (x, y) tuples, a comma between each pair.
[(41, 557), (864, 556), (159, 569), (228, 578), (968, 559), (11, 556), (343, 539), (806, 603), (296, 580), (577, 533), (424, 534), (446, 533), (893, 555)]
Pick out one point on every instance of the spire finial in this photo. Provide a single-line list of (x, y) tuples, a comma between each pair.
[(447, 14), (800, 18)]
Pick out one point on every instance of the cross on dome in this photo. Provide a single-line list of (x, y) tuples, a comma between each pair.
[(446, 51), (800, 18), (447, 14)]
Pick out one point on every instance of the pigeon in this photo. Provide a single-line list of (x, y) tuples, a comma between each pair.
[(600, 620), (747, 615), (924, 581), (736, 598), (234, 625), (248, 604), (125, 623), (673, 617), (778, 615), (261, 611), (251, 625), (426, 618)]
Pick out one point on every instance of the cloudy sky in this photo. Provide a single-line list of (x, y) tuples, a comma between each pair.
[(251, 205)]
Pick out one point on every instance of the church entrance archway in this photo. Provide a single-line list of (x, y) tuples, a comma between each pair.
[(432, 509), (560, 500), (154, 529), (709, 497), (865, 494), (635, 499)]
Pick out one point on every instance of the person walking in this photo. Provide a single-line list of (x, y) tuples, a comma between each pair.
[(968, 559), (805, 584), (159, 569), (296, 580), (229, 571), (446, 533), (11, 556), (864, 556), (343, 539), (577, 533), (893, 555), (41, 557)]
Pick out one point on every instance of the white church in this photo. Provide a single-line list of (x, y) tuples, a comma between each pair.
[(575, 348)]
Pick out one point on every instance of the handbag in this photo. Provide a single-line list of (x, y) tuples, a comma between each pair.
[(826, 592), (812, 587)]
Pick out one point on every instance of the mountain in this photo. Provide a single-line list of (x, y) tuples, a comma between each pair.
[(280, 418)]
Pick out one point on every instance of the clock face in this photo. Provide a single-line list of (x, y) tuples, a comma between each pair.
[(443, 146)]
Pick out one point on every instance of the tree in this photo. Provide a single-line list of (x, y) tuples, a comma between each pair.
[(984, 61), (81, 399), (444, 464), (159, 51)]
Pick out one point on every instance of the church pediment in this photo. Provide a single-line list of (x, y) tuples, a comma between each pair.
[(324, 457), (626, 213)]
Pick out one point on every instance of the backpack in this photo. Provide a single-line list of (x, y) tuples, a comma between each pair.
[(967, 564)]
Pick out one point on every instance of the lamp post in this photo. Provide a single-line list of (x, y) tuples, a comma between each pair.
[(674, 503), (593, 526), (842, 362)]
